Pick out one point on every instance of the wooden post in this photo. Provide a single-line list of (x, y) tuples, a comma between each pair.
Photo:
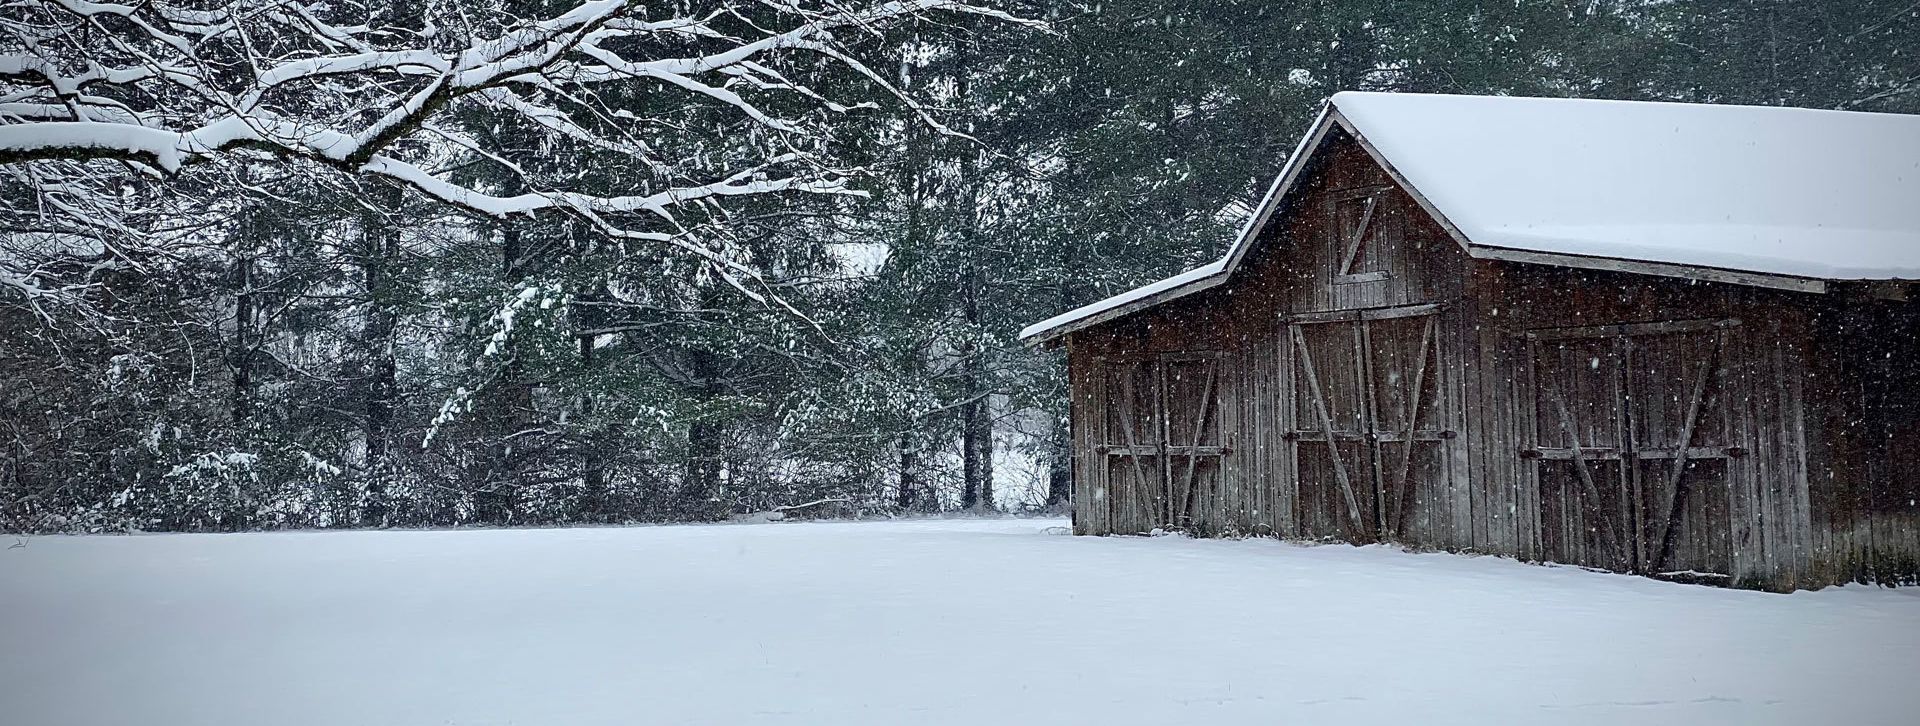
[(1370, 423)]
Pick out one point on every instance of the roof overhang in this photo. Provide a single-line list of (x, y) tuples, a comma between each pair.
[(1124, 304)]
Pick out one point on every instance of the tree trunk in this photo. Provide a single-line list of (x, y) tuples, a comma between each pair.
[(977, 459), (593, 467), (497, 500), (240, 358), (976, 430), (912, 363), (704, 440), (703, 471), (977, 414), (909, 472), (1060, 465), (380, 259)]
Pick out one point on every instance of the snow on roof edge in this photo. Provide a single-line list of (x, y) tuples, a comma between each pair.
[(1039, 330)]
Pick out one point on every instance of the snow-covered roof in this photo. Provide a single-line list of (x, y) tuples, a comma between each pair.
[(1785, 191), (1785, 197)]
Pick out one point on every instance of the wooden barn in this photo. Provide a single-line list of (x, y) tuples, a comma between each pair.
[(1670, 339)]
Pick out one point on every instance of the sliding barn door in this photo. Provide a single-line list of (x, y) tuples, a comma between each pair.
[(1134, 467), (1406, 424), (1580, 429), (1632, 442), (1682, 449), (1190, 396), (1162, 444), (1368, 433), (1328, 437)]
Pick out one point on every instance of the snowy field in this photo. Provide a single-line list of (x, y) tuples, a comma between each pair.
[(937, 622)]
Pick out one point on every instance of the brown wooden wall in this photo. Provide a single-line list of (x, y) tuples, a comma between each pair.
[(1398, 389), (1863, 422)]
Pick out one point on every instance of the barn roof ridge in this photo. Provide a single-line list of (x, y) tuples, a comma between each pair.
[(1651, 187)]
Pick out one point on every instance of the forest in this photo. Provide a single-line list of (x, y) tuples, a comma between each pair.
[(299, 264)]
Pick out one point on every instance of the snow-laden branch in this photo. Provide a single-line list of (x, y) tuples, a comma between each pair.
[(659, 203), (90, 139), (162, 86)]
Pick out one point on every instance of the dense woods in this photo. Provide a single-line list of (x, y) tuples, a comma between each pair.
[(522, 262)]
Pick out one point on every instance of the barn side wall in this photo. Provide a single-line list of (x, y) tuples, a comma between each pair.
[(1863, 423), (1824, 398)]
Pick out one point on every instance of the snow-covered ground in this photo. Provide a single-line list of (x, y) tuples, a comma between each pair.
[(931, 622)]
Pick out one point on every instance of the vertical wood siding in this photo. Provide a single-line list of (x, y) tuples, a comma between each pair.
[(1862, 418)]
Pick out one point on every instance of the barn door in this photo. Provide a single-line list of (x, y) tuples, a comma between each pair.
[(1679, 430), (1632, 442), (1163, 444), (1135, 469), (1368, 433), (1190, 388), (1404, 419), (1580, 433)]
